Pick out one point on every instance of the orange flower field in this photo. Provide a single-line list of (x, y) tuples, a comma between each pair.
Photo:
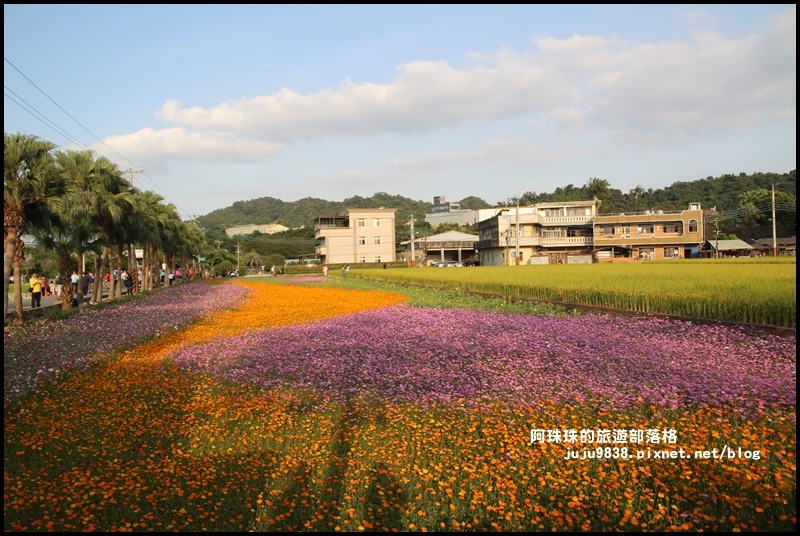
[(143, 439)]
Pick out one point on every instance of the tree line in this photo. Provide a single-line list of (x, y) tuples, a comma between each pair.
[(74, 203), (723, 193)]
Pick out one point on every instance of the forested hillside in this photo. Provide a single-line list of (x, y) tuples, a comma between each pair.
[(722, 192), (304, 211)]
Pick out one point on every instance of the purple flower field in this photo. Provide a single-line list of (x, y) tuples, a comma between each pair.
[(441, 356), (44, 351)]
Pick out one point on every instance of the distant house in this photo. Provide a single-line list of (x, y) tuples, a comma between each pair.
[(764, 239), (649, 235), (545, 233), (785, 246), (269, 228), (729, 248), (356, 235), (448, 246), (443, 211)]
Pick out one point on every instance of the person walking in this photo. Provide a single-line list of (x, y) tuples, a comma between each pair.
[(74, 280), (325, 270), (88, 279), (46, 288), (58, 285), (127, 281), (36, 290)]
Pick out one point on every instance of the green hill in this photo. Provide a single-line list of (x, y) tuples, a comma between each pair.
[(721, 192)]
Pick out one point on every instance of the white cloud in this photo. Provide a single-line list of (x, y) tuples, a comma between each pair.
[(672, 89), (180, 144)]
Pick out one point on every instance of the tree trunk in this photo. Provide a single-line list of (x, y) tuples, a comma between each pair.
[(97, 295), (17, 261), (147, 269), (133, 269), (118, 290), (64, 268), (112, 281), (11, 244), (81, 271), (165, 267)]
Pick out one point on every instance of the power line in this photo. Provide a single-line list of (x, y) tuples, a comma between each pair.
[(39, 116), (72, 138), (66, 112)]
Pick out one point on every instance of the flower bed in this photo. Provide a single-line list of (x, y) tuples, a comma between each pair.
[(303, 408)]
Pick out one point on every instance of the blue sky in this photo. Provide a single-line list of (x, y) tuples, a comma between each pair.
[(224, 103)]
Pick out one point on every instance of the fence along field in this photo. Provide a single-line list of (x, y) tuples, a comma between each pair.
[(754, 291)]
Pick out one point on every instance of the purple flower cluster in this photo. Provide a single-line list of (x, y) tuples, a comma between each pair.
[(423, 355), (43, 352)]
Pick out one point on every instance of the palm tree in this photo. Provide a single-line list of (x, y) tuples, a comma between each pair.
[(251, 259), (28, 179), (136, 230), (98, 192), (149, 205), (597, 188), (64, 234), (637, 192), (192, 242), (170, 229)]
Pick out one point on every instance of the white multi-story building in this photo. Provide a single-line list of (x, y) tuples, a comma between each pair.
[(443, 211), (545, 233), (267, 228), (356, 235)]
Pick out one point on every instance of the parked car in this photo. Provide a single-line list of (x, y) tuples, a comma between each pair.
[(447, 264)]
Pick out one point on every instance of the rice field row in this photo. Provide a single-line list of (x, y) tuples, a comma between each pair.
[(752, 291)]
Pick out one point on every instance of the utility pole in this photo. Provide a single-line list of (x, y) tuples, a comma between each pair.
[(774, 224), (517, 237), (411, 264), (508, 237), (130, 173)]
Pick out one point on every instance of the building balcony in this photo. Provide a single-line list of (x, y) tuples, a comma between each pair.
[(565, 241), (566, 220)]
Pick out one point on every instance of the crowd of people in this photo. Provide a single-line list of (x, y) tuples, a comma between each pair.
[(41, 286)]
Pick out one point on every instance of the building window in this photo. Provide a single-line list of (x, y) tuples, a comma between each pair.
[(579, 211), (692, 226), (647, 253), (377, 259), (376, 240), (606, 230), (671, 252), (673, 227), (362, 259), (555, 232), (362, 222), (376, 222), (362, 240), (645, 228)]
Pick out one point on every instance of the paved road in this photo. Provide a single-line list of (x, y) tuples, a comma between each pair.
[(46, 300)]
